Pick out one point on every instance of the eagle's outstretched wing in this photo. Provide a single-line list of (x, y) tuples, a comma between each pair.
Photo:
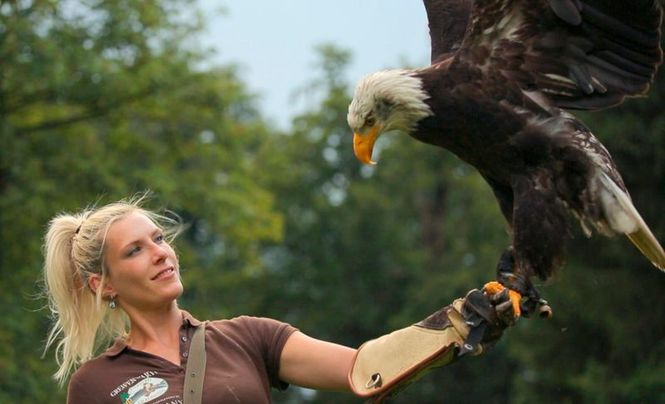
[(581, 54), (448, 21)]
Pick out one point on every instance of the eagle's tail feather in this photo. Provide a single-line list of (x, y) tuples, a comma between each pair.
[(645, 241), (624, 218)]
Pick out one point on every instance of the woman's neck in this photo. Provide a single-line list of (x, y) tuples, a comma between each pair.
[(154, 329)]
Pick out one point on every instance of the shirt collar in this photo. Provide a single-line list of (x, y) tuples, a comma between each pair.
[(189, 319), (120, 344)]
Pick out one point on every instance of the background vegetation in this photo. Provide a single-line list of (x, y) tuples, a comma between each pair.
[(102, 99)]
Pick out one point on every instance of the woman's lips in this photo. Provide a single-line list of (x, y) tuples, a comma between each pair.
[(164, 274)]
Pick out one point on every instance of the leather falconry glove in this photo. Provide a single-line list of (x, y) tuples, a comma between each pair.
[(386, 365)]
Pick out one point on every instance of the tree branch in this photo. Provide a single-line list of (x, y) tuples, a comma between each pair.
[(94, 112)]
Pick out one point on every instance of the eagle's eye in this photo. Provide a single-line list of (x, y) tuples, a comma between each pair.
[(370, 121)]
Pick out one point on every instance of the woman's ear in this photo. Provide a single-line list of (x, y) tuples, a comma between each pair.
[(95, 280)]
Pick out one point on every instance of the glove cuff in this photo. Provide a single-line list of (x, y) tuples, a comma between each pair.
[(388, 364)]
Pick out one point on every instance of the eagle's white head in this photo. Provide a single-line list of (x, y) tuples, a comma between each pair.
[(384, 101)]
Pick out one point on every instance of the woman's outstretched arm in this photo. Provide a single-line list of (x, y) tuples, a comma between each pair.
[(316, 364)]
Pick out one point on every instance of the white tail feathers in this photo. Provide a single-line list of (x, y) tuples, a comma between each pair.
[(624, 218)]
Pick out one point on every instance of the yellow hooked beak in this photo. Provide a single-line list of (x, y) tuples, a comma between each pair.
[(364, 144)]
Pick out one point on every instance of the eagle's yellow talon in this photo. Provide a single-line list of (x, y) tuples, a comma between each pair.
[(515, 297), (494, 287)]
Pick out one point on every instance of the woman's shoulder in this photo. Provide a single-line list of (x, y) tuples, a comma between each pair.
[(251, 324), (240, 322), (92, 370), (253, 332), (83, 384)]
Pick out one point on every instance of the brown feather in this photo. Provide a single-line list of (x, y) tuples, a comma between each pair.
[(609, 50)]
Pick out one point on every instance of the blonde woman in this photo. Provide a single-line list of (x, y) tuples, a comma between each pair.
[(113, 282)]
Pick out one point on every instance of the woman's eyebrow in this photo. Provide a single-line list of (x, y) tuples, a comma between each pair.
[(155, 231)]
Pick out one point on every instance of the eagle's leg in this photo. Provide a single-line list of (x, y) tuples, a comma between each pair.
[(524, 296), (539, 222)]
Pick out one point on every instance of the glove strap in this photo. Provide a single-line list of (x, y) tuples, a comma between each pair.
[(472, 342)]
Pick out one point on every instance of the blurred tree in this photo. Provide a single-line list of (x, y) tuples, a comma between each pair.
[(102, 99)]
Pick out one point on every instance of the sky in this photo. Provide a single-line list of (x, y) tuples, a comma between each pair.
[(273, 42)]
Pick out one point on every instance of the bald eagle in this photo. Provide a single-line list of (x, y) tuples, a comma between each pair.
[(503, 75)]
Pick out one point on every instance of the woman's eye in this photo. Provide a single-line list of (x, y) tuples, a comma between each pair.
[(159, 238), (133, 251)]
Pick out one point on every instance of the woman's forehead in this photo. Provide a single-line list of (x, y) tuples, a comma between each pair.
[(132, 226)]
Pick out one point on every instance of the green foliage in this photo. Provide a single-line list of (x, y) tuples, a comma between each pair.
[(102, 99)]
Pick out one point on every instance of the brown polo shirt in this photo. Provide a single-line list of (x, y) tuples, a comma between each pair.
[(242, 364)]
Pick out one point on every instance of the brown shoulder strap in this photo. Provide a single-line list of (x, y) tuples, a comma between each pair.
[(196, 365)]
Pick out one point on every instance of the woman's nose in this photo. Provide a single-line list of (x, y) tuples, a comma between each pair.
[(159, 252)]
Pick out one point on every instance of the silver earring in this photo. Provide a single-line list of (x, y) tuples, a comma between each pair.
[(112, 304)]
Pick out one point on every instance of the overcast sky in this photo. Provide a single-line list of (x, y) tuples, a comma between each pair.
[(273, 41)]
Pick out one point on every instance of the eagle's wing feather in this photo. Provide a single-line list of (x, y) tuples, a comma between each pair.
[(448, 21), (582, 54)]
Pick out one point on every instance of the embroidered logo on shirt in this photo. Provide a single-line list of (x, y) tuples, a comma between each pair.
[(144, 391)]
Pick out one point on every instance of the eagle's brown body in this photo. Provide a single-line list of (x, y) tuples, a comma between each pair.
[(503, 75), (535, 176)]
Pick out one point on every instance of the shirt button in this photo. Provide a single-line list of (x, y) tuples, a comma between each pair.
[(184, 354), (183, 338)]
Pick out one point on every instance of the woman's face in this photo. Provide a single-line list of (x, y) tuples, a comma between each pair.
[(143, 268)]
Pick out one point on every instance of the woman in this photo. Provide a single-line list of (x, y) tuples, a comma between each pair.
[(111, 274)]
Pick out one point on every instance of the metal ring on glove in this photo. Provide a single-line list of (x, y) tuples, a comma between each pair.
[(374, 382)]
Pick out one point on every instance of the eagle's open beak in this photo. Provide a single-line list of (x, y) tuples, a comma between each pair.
[(364, 144)]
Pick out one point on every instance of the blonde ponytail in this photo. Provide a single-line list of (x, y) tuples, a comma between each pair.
[(74, 250)]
